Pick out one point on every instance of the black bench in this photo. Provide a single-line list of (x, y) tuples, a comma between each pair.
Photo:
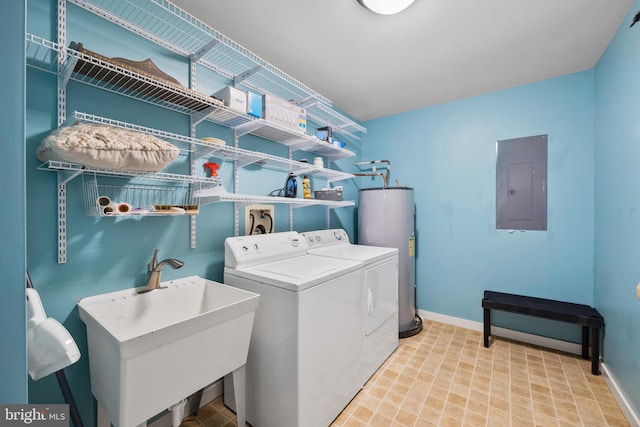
[(568, 312)]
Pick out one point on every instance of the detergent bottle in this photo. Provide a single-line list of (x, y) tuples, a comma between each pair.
[(306, 187)]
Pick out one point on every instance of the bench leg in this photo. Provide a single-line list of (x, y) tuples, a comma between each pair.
[(595, 351), (585, 342), (487, 326)]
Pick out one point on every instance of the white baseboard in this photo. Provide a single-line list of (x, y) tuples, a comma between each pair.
[(209, 394), (624, 404), (560, 345)]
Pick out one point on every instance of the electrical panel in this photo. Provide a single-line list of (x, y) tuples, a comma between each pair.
[(521, 183)]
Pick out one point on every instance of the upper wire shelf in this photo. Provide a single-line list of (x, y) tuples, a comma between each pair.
[(94, 71), (167, 25), (100, 72)]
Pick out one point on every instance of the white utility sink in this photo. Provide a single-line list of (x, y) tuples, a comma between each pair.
[(149, 351)]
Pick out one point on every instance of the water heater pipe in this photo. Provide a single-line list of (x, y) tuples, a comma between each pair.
[(385, 175)]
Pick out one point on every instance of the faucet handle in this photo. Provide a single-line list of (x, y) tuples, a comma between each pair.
[(154, 261)]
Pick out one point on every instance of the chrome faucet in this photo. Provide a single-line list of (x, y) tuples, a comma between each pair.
[(154, 268)]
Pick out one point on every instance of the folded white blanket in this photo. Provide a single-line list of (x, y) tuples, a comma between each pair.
[(108, 147)]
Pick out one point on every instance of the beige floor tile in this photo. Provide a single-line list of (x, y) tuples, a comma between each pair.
[(421, 422), (449, 421), (479, 396), (435, 403), (430, 413), (438, 393), (459, 389), (354, 422), (454, 411), (457, 399), (388, 410), (399, 388), (405, 418), (379, 420), (370, 402), (378, 391), (420, 388), (363, 414), (473, 419), (411, 406), (496, 417)]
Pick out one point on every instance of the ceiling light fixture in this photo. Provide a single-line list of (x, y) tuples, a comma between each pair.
[(386, 7)]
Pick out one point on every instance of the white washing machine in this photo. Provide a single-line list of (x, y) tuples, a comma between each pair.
[(379, 290), (308, 330)]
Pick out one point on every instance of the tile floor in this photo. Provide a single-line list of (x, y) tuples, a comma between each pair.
[(445, 377)]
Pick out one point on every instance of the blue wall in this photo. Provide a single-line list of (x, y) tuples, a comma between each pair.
[(448, 153), (13, 358), (617, 205)]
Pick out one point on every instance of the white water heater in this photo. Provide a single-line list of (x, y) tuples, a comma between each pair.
[(386, 217)]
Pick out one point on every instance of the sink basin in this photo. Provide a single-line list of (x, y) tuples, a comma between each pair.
[(149, 351)]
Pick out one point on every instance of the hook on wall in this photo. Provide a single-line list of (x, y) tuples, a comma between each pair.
[(636, 18)]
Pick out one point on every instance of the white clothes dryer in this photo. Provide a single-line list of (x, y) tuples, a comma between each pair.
[(379, 292), (307, 335)]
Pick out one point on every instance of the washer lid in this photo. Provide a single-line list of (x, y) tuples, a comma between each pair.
[(297, 273), (361, 253)]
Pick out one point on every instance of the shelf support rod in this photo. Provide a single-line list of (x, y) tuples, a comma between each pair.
[(200, 116), (62, 59), (245, 75), (296, 143), (236, 187), (303, 102), (291, 206), (62, 117), (65, 71), (248, 127), (196, 56), (193, 220), (328, 217), (249, 160), (62, 219), (202, 152), (193, 168), (65, 177)]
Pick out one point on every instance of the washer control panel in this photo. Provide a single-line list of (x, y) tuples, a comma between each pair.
[(320, 238), (244, 251)]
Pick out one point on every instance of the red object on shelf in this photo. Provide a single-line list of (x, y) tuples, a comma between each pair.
[(212, 168)]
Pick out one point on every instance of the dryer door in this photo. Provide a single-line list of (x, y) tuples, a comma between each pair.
[(381, 294)]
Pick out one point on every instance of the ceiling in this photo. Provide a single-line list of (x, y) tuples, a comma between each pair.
[(436, 51)]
